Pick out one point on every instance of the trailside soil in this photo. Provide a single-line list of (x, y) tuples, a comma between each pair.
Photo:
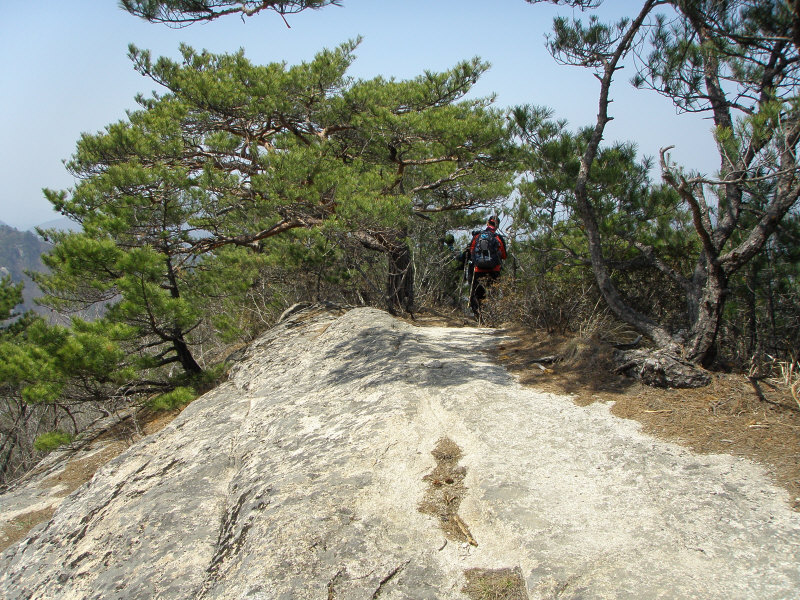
[(726, 416)]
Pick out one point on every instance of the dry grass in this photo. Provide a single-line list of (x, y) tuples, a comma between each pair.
[(584, 366), (18, 527), (727, 416), (445, 491), (782, 375), (495, 584), (80, 470)]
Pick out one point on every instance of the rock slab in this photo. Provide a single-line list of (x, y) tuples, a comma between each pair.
[(302, 475)]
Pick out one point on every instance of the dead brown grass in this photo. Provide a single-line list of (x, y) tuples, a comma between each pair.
[(495, 584), (446, 490), (18, 527), (725, 417), (80, 470)]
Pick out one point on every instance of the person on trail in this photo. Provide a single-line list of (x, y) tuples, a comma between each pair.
[(486, 253)]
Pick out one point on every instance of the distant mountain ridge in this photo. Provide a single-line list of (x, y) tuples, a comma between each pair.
[(21, 251), (60, 224)]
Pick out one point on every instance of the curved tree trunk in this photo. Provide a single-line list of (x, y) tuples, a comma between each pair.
[(611, 295), (185, 357), (702, 344)]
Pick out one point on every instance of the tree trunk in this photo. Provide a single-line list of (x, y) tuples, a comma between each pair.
[(702, 344), (185, 357), (751, 281), (608, 289), (400, 281)]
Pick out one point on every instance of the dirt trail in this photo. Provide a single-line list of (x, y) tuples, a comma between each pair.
[(602, 509)]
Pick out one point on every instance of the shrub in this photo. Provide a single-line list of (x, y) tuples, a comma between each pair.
[(177, 398), (47, 442)]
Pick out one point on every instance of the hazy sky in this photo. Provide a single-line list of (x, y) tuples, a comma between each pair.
[(65, 71)]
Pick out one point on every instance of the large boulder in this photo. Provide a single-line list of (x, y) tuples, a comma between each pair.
[(361, 457)]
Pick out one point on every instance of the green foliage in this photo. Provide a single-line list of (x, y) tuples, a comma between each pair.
[(286, 161), (177, 398), (10, 296), (636, 219), (210, 377), (47, 442), (629, 208), (46, 371), (45, 363), (590, 45), (180, 13)]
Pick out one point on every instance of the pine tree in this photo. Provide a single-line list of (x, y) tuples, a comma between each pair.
[(234, 155), (10, 297), (736, 61), (52, 378), (180, 13)]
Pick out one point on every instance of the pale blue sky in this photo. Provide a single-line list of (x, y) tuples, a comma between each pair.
[(65, 71)]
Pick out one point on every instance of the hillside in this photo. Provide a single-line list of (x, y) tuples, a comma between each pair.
[(21, 251), (357, 456)]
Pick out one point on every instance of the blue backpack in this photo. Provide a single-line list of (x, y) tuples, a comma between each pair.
[(486, 253)]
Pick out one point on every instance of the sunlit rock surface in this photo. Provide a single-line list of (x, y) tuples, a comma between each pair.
[(302, 477)]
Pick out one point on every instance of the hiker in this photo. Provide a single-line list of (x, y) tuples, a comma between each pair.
[(486, 253)]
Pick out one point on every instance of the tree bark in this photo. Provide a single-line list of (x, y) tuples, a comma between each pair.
[(185, 357), (606, 285), (751, 281), (400, 281), (179, 344), (702, 344)]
